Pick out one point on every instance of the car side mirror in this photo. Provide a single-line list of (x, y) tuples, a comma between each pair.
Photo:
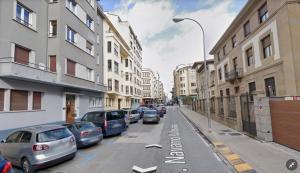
[(3, 141)]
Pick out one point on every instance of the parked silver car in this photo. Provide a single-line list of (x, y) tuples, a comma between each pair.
[(37, 147), (133, 115), (151, 116)]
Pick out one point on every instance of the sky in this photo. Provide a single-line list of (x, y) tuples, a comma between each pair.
[(167, 44)]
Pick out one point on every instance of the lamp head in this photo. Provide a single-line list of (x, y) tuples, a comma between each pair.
[(176, 20)]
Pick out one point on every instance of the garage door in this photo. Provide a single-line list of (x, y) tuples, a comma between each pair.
[(285, 116)]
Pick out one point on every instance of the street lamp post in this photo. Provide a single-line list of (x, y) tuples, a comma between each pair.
[(176, 20)]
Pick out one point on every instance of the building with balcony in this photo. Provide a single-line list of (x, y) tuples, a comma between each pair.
[(149, 86), (185, 81), (257, 55), (122, 64), (50, 61)]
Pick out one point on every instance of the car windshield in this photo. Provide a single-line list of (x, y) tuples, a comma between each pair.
[(53, 135), (84, 126)]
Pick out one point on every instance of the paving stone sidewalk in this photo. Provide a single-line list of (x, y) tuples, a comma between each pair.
[(264, 157)]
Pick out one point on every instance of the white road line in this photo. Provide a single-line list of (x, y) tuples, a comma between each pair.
[(217, 157), (193, 128)]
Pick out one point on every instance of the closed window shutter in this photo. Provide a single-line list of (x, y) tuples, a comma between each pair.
[(266, 41), (18, 100), (37, 101), (53, 63), (2, 99), (21, 55), (71, 67)]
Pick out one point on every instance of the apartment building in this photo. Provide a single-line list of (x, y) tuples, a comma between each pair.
[(200, 79), (149, 86), (122, 64), (185, 81), (257, 53), (50, 61)]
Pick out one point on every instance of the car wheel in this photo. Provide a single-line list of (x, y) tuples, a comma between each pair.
[(27, 167)]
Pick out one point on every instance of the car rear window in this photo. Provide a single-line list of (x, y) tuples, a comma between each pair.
[(84, 126), (134, 111), (94, 117), (53, 135), (150, 112), (115, 115)]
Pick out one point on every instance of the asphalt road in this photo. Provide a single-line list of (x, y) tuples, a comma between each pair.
[(183, 150)]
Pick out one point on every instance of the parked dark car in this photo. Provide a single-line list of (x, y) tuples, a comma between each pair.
[(111, 122), (86, 133), (38, 147), (5, 165), (151, 116)]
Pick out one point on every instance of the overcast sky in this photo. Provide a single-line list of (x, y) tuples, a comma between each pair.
[(166, 44)]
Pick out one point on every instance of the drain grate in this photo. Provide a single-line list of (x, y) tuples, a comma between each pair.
[(235, 134)]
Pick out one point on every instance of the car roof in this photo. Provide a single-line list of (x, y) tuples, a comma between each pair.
[(41, 128)]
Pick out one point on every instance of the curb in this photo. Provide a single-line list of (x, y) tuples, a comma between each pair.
[(222, 150)]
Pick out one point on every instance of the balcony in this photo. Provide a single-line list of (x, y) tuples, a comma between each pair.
[(234, 74), (27, 71)]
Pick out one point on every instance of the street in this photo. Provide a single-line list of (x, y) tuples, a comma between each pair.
[(183, 150)]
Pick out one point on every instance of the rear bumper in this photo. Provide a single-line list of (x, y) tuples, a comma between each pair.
[(150, 120), (89, 141), (134, 119), (55, 161)]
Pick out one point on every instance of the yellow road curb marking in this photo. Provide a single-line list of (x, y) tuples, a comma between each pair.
[(217, 144), (232, 157), (225, 150), (243, 167)]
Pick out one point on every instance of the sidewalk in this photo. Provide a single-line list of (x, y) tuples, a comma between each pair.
[(264, 157)]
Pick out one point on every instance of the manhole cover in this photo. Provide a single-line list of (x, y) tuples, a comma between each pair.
[(226, 130), (235, 134), (221, 133)]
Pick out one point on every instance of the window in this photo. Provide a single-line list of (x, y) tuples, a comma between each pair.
[(26, 137), (37, 101), (247, 28), (116, 67), (270, 87), (89, 21), (252, 87), (234, 63), (116, 49), (18, 100), (71, 4), (89, 47), (95, 102), (218, 56), (109, 83), (227, 91), (263, 13), (21, 55), (53, 28), (249, 56), (267, 46), (116, 85), (220, 74), (126, 62), (14, 138), (71, 67), (234, 41), (224, 50), (127, 89), (130, 63), (109, 46), (226, 69), (90, 74), (126, 76), (2, 99), (193, 84), (71, 35), (23, 15), (109, 65), (52, 63)]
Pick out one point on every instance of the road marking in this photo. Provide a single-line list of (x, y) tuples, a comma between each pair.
[(231, 157), (217, 157), (146, 170), (243, 167), (153, 146)]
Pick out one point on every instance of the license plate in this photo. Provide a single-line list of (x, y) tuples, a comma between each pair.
[(94, 139)]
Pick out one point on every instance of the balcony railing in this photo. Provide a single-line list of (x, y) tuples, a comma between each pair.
[(39, 66), (234, 74)]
